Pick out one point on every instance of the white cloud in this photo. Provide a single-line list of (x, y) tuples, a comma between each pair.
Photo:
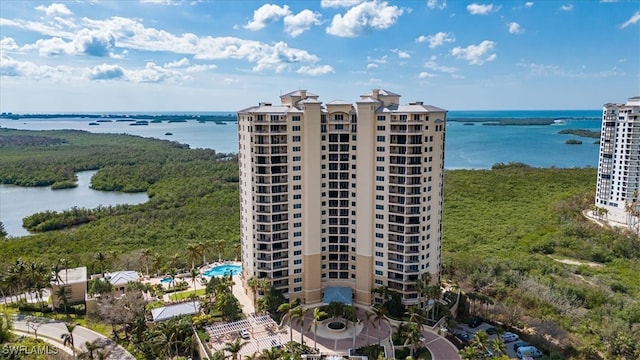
[(182, 63), (315, 70), (368, 15), (566, 7), (55, 10), (634, 19), (514, 28), (424, 75), (437, 39), (106, 72), (528, 4), (295, 25), (476, 54), (372, 65), (339, 3), (14, 68), (481, 9), (432, 65), (8, 44), (401, 53), (435, 4), (94, 42), (200, 67), (265, 14)]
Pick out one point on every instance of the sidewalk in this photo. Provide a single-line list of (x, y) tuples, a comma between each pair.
[(52, 330)]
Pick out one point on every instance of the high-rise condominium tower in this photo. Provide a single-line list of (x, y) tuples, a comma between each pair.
[(619, 159), (337, 198)]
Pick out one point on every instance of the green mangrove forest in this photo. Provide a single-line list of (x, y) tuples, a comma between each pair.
[(514, 237)]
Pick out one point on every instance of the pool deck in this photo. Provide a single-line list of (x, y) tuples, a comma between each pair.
[(157, 279)]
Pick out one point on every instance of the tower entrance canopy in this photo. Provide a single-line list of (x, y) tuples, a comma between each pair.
[(341, 294)]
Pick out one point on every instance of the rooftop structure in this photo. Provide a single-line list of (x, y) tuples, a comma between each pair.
[(171, 311)]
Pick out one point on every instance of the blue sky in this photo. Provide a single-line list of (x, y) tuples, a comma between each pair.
[(184, 55)]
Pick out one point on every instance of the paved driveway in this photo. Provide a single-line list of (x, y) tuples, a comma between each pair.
[(53, 329)]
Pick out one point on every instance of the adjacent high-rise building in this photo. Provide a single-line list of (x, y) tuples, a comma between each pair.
[(339, 198), (619, 160)]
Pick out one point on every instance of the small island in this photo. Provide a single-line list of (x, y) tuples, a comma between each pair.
[(573, 142), (94, 123), (581, 133), (168, 133)]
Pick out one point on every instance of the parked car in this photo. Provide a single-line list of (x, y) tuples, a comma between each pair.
[(475, 322), (529, 351), (520, 344), (509, 337), (463, 336), (244, 333), (491, 331)]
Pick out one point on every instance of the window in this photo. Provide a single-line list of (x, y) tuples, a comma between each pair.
[(297, 187), (379, 188), (379, 263), (296, 138), (297, 243), (297, 206), (379, 207), (297, 225), (379, 178), (379, 254), (297, 280), (379, 272), (379, 235), (380, 138), (297, 233), (297, 168), (297, 216), (296, 158), (338, 117), (297, 197), (297, 177), (296, 148), (379, 197), (297, 289), (380, 127), (297, 271), (295, 118), (297, 252), (381, 117), (297, 261), (295, 127), (379, 168), (380, 148), (379, 158), (379, 245)]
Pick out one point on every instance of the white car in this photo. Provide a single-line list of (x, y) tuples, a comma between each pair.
[(528, 351), (509, 337), (244, 333)]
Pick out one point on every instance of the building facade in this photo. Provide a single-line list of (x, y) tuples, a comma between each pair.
[(619, 160), (341, 196)]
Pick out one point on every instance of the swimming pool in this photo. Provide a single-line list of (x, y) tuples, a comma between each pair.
[(166, 279), (221, 270)]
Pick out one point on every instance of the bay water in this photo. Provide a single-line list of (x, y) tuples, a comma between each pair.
[(468, 146)]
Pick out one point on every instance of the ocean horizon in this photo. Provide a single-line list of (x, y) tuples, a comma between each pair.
[(467, 147)]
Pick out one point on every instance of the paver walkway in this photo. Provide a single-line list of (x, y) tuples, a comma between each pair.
[(52, 331)]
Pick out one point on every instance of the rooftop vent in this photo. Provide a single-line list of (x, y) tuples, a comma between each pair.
[(265, 104), (416, 103)]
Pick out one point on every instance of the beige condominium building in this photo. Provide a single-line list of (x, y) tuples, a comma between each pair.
[(619, 160), (338, 198)]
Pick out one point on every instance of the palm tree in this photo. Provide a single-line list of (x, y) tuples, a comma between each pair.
[(67, 338), (156, 262), (234, 348), (498, 346), (480, 341), (264, 285), (379, 313), (317, 316), (298, 314), (270, 354), (146, 255), (63, 293), (237, 250), (194, 275), (91, 348), (193, 252), (369, 317), (412, 336), (219, 246), (203, 247), (100, 258), (468, 353), (252, 282), (288, 308), (65, 263)]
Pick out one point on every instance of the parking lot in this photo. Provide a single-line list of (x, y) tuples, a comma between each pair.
[(464, 328)]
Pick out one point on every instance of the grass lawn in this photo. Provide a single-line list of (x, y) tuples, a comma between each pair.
[(186, 294)]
